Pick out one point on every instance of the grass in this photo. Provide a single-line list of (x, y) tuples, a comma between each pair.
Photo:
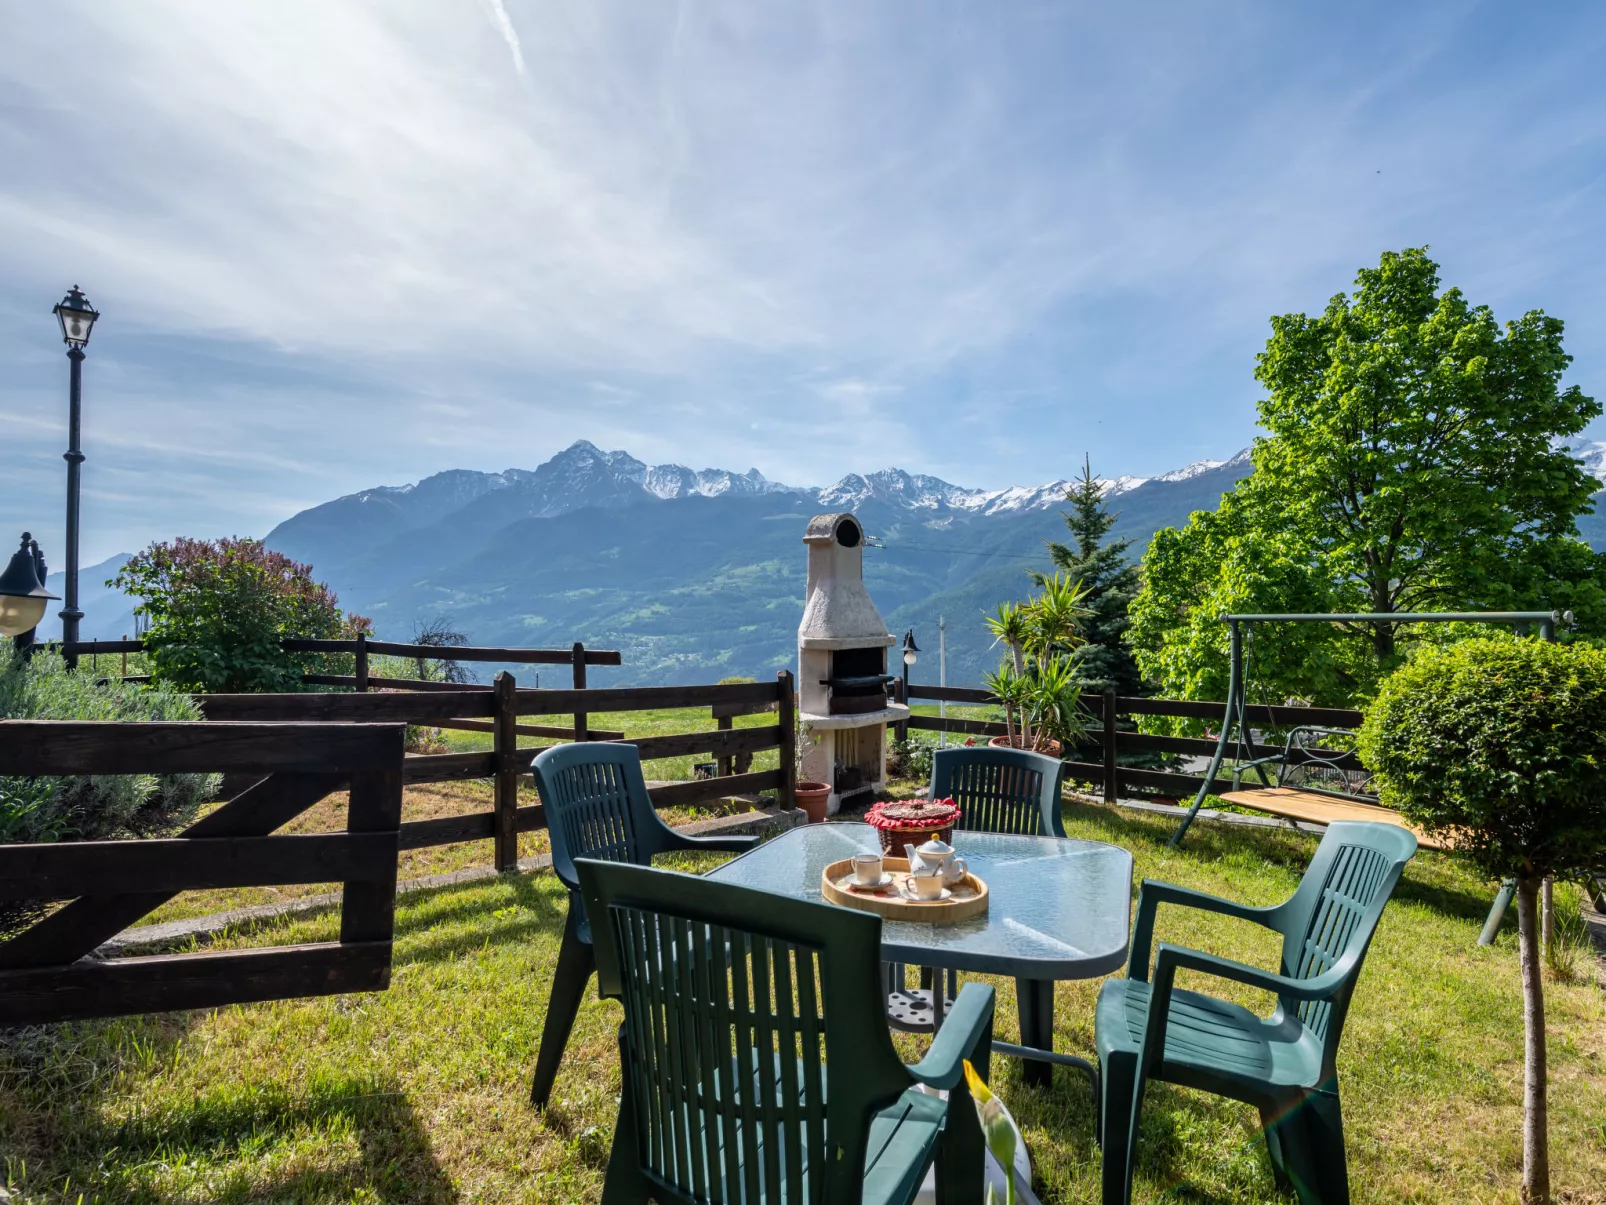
[(419, 1094)]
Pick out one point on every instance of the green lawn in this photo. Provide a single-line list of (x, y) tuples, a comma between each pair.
[(418, 1094)]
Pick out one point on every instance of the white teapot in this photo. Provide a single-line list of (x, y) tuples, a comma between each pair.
[(935, 858)]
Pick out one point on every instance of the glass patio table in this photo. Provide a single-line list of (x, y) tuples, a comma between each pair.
[(1057, 909)]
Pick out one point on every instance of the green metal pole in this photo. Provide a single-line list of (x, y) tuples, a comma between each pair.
[(1235, 686)]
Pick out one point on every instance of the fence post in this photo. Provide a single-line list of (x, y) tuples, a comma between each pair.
[(1111, 786), (902, 696), (360, 670), (726, 763), (786, 708), (581, 720), (506, 737)]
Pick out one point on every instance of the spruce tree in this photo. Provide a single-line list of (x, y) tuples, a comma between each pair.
[(1111, 580)]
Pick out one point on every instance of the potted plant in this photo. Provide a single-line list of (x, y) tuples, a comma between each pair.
[(1500, 744), (1036, 684), (812, 797)]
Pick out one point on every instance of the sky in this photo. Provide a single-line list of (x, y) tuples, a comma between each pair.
[(338, 244)]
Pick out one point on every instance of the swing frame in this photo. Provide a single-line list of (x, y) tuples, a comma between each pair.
[(1238, 689)]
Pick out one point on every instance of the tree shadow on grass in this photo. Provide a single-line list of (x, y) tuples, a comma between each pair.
[(393, 1164)]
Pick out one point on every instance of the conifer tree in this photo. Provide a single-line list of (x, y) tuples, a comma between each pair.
[(1110, 579)]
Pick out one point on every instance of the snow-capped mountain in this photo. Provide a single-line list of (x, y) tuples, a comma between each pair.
[(1593, 455), (677, 481)]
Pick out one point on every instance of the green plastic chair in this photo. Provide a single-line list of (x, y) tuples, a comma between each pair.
[(1001, 790), (1285, 1066), (597, 806), (755, 1063)]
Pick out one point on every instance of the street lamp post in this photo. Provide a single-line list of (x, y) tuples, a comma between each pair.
[(910, 652), (23, 594), (77, 318)]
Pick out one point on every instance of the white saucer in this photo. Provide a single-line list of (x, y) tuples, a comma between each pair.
[(851, 882), (918, 899)]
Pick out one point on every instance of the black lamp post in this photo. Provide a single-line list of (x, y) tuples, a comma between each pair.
[(910, 652), (77, 318), (23, 594)]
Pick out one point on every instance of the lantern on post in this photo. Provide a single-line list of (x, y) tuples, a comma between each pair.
[(22, 592)]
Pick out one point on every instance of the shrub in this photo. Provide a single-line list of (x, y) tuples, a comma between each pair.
[(89, 807), (1501, 744), (217, 610)]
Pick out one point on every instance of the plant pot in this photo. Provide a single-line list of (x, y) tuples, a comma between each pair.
[(1003, 742), (812, 797)]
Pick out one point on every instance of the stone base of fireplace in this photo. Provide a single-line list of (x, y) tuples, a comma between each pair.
[(849, 752)]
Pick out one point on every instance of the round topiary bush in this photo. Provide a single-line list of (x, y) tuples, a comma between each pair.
[(1500, 744)]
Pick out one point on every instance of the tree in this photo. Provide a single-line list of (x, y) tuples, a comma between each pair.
[(439, 633), (1109, 581), (1500, 744), (217, 610), (1413, 460)]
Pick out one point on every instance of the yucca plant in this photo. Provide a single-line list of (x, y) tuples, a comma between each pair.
[(1037, 684)]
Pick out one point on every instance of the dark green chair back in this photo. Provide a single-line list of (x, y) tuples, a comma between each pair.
[(1001, 790), (1330, 919), (597, 806), (754, 1050)]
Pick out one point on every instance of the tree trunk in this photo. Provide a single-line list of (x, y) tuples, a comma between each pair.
[(1535, 1120), (1547, 918)]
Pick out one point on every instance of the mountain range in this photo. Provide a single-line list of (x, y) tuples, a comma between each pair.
[(695, 574)]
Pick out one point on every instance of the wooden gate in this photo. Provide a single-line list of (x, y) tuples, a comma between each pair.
[(45, 972)]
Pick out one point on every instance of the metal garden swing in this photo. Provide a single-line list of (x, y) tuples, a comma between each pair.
[(1314, 783)]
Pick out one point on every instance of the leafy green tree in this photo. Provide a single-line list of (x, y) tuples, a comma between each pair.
[(1109, 579), (1413, 460), (1500, 744), (217, 610)]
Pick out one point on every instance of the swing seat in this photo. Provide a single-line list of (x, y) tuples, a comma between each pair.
[(1292, 804), (1304, 761)]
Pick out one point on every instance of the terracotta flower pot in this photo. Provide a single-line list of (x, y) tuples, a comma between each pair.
[(812, 797), (1003, 742)]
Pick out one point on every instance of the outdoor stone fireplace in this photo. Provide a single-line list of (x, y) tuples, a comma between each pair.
[(843, 682)]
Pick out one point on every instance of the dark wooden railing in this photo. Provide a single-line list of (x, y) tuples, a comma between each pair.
[(45, 974), (361, 648), (496, 709), (1096, 759)]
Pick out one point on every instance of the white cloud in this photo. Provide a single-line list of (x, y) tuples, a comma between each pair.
[(504, 26), (979, 242)]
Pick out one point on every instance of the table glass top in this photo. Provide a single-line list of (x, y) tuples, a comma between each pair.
[(1057, 909)]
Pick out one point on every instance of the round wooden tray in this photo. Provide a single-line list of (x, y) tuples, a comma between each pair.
[(969, 896)]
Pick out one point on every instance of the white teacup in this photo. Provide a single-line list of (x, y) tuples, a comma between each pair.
[(867, 869), (925, 886)]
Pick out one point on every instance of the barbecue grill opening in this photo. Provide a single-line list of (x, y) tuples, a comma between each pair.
[(858, 681)]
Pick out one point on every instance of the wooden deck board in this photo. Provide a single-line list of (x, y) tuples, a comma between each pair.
[(1322, 809)]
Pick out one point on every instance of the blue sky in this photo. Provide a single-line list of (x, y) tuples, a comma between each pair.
[(345, 244)]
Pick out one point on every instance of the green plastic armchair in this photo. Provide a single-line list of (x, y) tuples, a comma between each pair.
[(755, 1063), (1286, 1066), (1001, 790), (597, 806)]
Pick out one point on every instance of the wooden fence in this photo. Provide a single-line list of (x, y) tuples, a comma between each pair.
[(362, 648), (497, 708), (1097, 758), (44, 974)]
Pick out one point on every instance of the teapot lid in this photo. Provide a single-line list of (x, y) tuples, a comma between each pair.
[(934, 846)]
